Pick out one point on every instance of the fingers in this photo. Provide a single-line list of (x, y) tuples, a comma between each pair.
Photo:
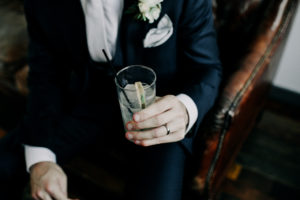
[(48, 181), (163, 111), (148, 134), (155, 121), (49, 192), (47, 197), (175, 125), (59, 195), (57, 192), (174, 137), (148, 127), (161, 105), (42, 195)]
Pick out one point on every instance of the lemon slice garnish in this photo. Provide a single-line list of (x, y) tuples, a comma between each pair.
[(140, 92)]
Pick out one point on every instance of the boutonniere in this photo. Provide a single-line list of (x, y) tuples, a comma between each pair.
[(146, 10)]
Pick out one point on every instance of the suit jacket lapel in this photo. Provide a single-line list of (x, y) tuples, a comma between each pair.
[(132, 34), (75, 30)]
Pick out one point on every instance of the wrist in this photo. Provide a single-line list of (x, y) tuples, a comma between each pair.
[(40, 166), (34, 155), (191, 109), (185, 116)]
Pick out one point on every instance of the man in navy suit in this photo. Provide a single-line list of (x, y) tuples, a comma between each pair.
[(72, 101)]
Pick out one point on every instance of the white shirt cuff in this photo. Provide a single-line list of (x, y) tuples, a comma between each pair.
[(35, 155), (191, 109)]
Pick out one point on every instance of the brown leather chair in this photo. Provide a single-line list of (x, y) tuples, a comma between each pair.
[(252, 35)]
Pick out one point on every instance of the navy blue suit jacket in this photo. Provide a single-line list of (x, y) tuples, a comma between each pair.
[(186, 63)]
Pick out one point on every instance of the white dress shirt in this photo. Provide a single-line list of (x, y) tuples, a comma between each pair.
[(101, 15)]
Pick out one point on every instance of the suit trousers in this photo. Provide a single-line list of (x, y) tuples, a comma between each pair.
[(156, 172)]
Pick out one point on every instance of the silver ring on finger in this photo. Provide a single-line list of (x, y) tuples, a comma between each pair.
[(167, 128)]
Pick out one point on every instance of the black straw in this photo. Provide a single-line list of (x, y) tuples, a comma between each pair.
[(110, 64), (119, 81)]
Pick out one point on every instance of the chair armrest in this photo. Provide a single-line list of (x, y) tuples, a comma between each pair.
[(267, 44), (241, 99)]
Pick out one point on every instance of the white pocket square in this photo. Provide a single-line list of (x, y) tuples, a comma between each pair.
[(158, 36)]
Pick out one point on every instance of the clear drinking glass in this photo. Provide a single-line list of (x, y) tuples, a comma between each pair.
[(132, 98)]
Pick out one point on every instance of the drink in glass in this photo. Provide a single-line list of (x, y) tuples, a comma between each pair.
[(136, 88)]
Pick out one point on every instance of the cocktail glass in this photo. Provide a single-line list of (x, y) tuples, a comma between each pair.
[(136, 88)]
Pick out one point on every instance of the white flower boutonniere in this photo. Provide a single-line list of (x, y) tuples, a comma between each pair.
[(147, 10)]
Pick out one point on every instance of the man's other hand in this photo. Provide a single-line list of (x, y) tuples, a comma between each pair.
[(48, 181)]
